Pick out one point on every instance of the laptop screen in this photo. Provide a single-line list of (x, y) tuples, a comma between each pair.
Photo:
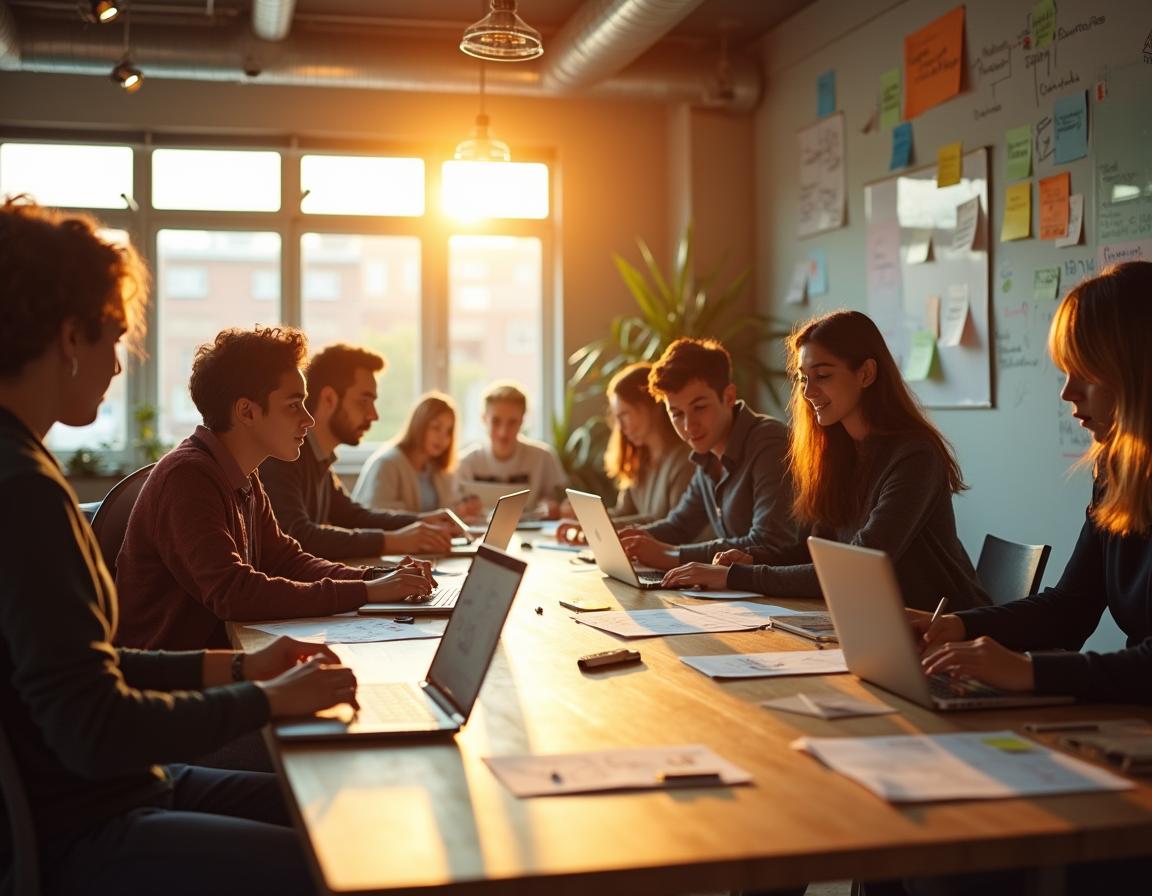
[(473, 631)]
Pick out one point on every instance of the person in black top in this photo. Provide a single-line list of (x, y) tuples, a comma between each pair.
[(1099, 337), (89, 725)]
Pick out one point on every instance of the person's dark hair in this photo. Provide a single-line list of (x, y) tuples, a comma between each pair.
[(624, 462), (336, 367), (686, 360), (242, 364), (55, 266), (823, 459)]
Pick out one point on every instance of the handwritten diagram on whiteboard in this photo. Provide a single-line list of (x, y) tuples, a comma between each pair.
[(822, 199)]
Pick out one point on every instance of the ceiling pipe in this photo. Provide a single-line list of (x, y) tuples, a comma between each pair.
[(9, 40), (272, 19), (605, 36)]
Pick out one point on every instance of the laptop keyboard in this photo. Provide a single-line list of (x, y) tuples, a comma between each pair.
[(945, 687), (385, 703), (444, 595)]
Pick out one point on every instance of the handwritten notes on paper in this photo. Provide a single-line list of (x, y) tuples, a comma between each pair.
[(901, 146), (967, 222), (885, 284), (890, 99), (768, 665), (1043, 23), (932, 63), (948, 164), (1018, 145), (1017, 212), (822, 180), (1054, 192), (826, 94), (1046, 284), (346, 629), (918, 365), (954, 316), (1075, 222), (1071, 120)]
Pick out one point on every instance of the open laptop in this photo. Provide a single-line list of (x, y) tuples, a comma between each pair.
[(443, 701), (501, 525), (605, 543), (862, 593)]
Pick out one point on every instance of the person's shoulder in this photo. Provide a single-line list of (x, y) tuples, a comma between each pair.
[(764, 430), (185, 468)]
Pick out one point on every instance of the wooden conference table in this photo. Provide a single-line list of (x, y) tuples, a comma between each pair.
[(428, 816)]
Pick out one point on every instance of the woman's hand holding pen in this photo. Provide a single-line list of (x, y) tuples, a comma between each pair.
[(309, 687), (934, 632)]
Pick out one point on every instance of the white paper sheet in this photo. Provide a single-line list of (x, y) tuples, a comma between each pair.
[(953, 316), (348, 629), (1075, 221), (967, 217), (719, 595), (969, 766), (768, 665), (828, 706), (655, 623), (631, 769)]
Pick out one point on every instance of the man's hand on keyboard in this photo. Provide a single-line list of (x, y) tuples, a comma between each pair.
[(985, 660), (424, 567), (405, 584), (308, 688)]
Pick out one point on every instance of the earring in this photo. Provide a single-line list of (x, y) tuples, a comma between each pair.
[(75, 367)]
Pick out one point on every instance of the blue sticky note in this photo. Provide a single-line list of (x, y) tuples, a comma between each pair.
[(1070, 121), (901, 146), (826, 94), (817, 272)]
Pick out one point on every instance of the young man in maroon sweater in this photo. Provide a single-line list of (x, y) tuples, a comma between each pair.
[(202, 546)]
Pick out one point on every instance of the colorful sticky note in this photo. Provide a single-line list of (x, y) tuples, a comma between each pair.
[(1017, 212), (954, 316), (1075, 222), (890, 99), (920, 357), (920, 246), (1018, 143), (1009, 744), (817, 272), (826, 94), (1071, 122), (1046, 284), (798, 288), (932, 63), (1054, 192), (932, 315), (901, 146), (948, 164), (967, 221), (1043, 23)]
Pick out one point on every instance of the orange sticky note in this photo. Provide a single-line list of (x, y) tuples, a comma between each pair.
[(1054, 192), (1017, 212), (932, 63), (948, 164)]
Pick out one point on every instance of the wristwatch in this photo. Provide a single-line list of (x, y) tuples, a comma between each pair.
[(238, 667)]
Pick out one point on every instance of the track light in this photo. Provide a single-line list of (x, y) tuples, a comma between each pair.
[(101, 11), (127, 75)]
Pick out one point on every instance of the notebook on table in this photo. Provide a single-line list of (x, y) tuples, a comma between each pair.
[(442, 702), (867, 608), (604, 542)]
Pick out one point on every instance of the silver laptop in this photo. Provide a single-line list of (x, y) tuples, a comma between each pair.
[(443, 701), (610, 555), (501, 526), (862, 593)]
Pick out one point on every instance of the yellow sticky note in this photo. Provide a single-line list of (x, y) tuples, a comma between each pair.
[(1009, 744), (948, 164), (1017, 212)]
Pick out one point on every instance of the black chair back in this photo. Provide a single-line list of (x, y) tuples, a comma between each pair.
[(1009, 570), (111, 520)]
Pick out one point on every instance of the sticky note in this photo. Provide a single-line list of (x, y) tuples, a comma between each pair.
[(1018, 144), (826, 94), (932, 63), (932, 315), (1075, 222), (890, 99), (1046, 284), (1009, 744), (1054, 192), (817, 272), (1043, 23), (919, 247), (948, 164), (954, 316), (967, 221), (1017, 212), (923, 352), (798, 289), (1070, 120), (901, 146)]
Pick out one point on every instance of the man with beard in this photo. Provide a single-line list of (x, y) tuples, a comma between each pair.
[(307, 497)]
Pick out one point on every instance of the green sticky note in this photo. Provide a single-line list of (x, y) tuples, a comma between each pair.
[(919, 362), (1018, 142), (890, 99), (1043, 23), (1009, 744), (1046, 284)]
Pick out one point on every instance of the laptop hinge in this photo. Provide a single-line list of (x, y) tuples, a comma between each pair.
[(443, 701)]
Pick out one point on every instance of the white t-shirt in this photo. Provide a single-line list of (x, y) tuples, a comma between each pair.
[(533, 465)]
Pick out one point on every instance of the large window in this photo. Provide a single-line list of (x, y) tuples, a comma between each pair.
[(444, 273)]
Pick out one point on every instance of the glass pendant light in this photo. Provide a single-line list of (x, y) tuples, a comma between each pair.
[(502, 36), (482, 146)]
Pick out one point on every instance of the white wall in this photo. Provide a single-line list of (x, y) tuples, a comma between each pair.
[(1014, 456)]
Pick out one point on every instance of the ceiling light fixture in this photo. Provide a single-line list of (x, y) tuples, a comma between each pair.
[(100, 11), (482, 146), (125, 73), (502, 36)]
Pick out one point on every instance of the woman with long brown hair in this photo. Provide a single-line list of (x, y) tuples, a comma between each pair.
[(868, 469)]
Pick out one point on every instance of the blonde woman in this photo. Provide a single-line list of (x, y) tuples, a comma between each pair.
[(417, 472)]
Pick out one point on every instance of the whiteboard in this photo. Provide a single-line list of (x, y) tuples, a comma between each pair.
[(899, 210)]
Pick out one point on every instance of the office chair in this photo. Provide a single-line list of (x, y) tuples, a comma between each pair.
[(1009, 571), (111, 520), (23, 878)]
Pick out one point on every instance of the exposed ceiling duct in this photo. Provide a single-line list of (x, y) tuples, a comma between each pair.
[(605, 36), (272, 19), (9, 42)]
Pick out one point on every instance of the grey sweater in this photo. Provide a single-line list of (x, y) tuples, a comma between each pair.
[(907, 512), (651, 497)]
